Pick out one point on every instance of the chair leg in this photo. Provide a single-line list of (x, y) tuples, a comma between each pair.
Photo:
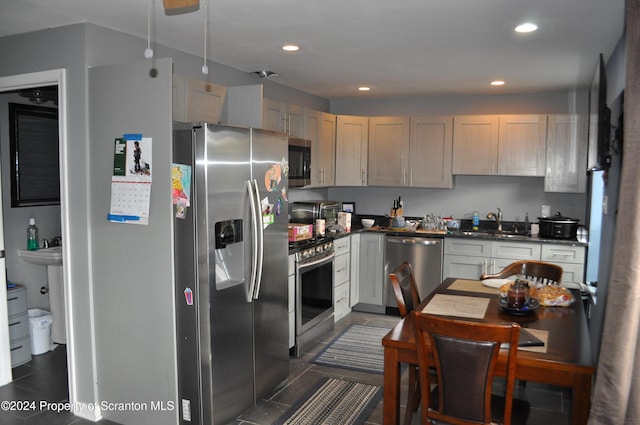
[(413, 397)]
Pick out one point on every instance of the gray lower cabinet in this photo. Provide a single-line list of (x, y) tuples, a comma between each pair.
[(19, 340), (469, 258), (341, 278), (371, 273)]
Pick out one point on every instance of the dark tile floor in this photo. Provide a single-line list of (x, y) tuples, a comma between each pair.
[(45, 378)]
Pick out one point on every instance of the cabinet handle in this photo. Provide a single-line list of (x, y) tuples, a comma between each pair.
[(15, 323), (12, 299), (17, 348)]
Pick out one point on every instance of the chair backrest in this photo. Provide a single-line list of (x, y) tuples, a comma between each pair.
[(465, 355), (405, 288), (535, 271)]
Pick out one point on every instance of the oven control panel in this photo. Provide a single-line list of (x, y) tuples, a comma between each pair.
[(321, 250)]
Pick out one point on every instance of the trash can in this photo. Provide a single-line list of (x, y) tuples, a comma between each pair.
[(40, 330)]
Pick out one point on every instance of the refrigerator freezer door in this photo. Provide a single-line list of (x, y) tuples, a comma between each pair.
[(269, 159)]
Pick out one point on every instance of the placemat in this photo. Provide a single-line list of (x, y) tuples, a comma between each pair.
[(457, 305), (471, 286)]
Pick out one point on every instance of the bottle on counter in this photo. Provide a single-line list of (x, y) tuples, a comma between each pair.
[(527, 226), (32, 235), (475, 224)]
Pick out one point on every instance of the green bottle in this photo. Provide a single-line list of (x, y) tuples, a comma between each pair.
[(32, 235)]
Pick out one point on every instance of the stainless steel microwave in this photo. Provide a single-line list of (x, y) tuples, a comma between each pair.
[(299, 162)]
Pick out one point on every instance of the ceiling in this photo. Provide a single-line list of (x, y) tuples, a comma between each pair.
[(398, 48)]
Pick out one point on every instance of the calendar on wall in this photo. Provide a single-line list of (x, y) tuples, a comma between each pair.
[(131, 180)]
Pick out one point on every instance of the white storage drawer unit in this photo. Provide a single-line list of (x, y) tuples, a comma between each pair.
[(19, 340), (341, 278)]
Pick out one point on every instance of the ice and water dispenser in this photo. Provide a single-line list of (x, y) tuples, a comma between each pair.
[(229, 253)]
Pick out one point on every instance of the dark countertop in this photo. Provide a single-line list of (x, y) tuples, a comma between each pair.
[(464, 234)]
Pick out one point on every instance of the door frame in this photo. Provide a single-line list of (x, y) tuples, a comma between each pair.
[(24, 81)]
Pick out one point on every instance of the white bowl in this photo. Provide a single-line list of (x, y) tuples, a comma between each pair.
[(367, 222)]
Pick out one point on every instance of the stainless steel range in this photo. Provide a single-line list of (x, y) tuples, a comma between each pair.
[(314, 292)]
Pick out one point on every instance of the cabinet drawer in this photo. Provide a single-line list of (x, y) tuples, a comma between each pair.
[(20, 351), (470, 247), (516, 250), (17, 300), (342, 245), (341, 273), (563, 253), (341, 304), (18, 326)]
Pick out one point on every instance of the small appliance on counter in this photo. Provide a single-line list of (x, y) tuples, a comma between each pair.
[(310, 211), (558, 227)]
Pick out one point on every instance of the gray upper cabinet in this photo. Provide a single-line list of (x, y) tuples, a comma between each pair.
[(195, 100), (388, 151), (566, 160), (320, 128), (352, 139), (521, 145), (510, 145), (475, 144), (430, 152)]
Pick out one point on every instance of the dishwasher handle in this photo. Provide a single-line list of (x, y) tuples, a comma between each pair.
[(415, 241)]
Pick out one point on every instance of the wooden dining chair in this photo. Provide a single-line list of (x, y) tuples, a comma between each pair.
[(535, 271), (406, 291), (465, 355)]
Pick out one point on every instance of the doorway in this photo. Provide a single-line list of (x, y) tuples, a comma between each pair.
[(10, 84)]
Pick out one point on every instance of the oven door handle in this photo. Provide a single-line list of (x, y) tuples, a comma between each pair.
[(313, 263)]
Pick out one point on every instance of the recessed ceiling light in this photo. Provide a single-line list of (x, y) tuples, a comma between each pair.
[(364, 88), (290, 48), (526, 27), (497, 83)]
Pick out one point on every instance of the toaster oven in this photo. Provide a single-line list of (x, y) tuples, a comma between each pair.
[(309, 211)]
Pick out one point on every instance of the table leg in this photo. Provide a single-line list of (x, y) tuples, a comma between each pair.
[(391, 401), (581, 400)]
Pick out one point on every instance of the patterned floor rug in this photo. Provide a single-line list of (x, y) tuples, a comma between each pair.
[(359, 347), (333, 402)]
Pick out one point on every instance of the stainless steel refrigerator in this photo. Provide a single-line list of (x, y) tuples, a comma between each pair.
[(231, 268)]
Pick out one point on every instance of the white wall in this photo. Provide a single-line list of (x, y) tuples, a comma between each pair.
[(514, 195)]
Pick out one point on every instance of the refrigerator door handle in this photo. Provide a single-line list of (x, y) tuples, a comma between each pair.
[(254, 241), (260, 236)]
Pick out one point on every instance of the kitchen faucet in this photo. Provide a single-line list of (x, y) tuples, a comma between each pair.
[(498, 218)]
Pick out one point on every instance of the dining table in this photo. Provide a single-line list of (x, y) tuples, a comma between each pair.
[(564, 360)]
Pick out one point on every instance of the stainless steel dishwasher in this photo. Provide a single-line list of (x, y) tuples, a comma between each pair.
[(425, 257)]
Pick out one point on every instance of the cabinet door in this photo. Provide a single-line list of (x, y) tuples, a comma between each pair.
[(388, 150), (294, 120), (430, 152), (566, 159), (273, 115), (522, 140), (327, 148), (195, 100), (371, 279), (320, 128), (475, 144), (352, 135), (463, 267)]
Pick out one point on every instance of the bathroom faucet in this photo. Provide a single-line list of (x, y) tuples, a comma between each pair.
[(497, 217)]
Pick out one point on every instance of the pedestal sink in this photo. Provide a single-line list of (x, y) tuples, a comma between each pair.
[(52, 259)]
